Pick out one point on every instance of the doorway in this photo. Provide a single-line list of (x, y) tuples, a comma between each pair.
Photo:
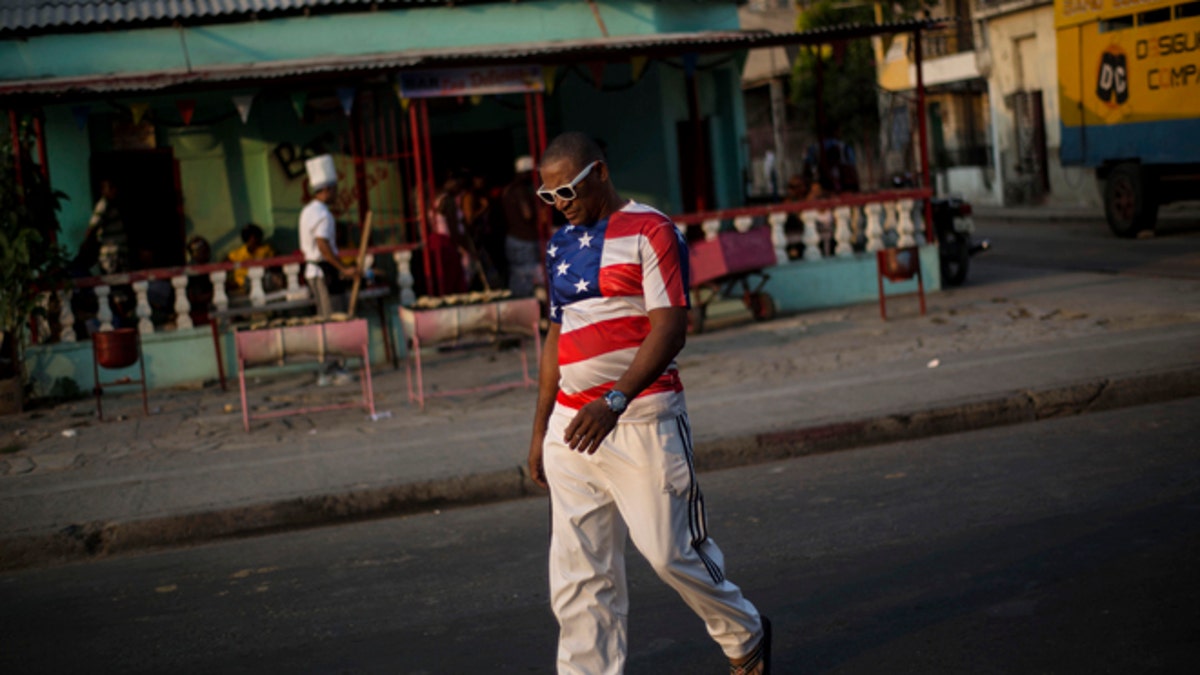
[(148, 193)]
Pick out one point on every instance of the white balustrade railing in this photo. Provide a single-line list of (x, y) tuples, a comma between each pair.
[(893, 219), (179, 313)]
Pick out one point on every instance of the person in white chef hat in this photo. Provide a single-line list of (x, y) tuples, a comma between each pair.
[(323, 270)]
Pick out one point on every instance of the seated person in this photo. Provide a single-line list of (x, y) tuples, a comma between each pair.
[(253, 248), (199, 286)]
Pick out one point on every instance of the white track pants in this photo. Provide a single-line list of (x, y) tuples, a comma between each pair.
[(639, 482)]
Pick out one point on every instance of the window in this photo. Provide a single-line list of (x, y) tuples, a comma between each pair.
[(1154, 16), (1116, 23), (1187, 10)]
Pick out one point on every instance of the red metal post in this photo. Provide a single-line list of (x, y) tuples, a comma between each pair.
[(921, 132), (432, 183), (414, 117), (540, 100), (699, 167), (15, 130), (544, 214)]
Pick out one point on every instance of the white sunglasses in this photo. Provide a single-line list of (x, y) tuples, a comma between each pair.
[(565, 192)]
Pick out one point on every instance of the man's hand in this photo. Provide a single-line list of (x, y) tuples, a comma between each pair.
[(537, 470), (591, 425), (349, 271)]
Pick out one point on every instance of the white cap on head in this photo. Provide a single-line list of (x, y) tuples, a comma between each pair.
[(524, 164), (321, 172)]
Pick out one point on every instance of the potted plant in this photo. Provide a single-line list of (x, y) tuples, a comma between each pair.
[(29, 260)]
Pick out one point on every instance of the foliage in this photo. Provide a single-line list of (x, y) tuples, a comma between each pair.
[(29, 262), (848, 100)]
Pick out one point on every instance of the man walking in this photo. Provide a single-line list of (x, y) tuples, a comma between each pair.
[(611, 437)]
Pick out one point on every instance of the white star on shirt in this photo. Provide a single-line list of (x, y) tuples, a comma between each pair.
[(582, 285), (585, 240), (563, 267), (553, 250)]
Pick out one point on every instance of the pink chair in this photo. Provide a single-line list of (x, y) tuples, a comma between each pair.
[(460, 324), (273, 346)]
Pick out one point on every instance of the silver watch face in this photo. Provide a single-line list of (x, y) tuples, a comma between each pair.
[(616, 401)]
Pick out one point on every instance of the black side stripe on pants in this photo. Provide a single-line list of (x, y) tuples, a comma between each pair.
[(697, 520)]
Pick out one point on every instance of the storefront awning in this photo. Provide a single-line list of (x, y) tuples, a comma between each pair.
[(611, 49)]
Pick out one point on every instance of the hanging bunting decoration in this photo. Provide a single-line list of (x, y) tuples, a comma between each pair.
[(299, 101), (476, 99), (548, 73), (187, 108), (138, 110), (242, 103), (404, 103), (80, 113), (639, 64), (346, 96), (597, 68), (689, 64)]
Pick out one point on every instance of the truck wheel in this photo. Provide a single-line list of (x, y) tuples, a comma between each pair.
[(1129, 202)]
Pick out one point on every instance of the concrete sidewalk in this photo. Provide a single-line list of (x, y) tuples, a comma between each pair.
[(1003, 352)]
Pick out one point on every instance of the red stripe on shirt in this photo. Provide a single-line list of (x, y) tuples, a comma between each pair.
[(667, 382), (666, 247), (602, 337), (621, 279)]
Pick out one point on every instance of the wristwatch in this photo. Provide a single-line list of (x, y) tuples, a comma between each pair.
[(616, 401)]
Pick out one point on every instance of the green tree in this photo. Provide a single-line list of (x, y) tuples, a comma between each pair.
[(29, 261)]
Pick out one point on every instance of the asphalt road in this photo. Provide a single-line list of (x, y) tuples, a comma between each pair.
[(1065, 546), (1089, 246)]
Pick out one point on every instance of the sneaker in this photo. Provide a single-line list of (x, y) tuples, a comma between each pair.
[(324, 380), (342, 378)]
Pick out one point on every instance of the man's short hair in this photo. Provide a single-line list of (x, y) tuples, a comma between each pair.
[(252, 230), (575, 146)]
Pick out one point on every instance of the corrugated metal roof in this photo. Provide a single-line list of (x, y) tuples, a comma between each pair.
[(573, 51), (40, 15)]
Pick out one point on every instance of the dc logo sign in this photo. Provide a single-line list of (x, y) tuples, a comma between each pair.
[(1112, 83)]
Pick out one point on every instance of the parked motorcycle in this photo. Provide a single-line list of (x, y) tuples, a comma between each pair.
[(954, 227)]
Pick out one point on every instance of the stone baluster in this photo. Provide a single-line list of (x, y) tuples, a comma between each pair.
[(841, 233), (811, 239), (856, 225), (145, 325), (258, 297), (292, 272), (711, 228), (779, 236), (404, 277), (43, 317), (918, 216), (743, 223), (905, 227), (220, 300), (889, 224), (183, 308), (66, 316), (104, 312), (874, 227)]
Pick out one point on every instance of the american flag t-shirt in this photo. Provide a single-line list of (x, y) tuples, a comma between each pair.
[(604, 279)]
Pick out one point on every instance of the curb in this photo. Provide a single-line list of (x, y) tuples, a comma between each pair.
[(98, 539)]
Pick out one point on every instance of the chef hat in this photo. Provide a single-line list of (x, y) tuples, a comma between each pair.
[(321, 172), (524, 164)]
